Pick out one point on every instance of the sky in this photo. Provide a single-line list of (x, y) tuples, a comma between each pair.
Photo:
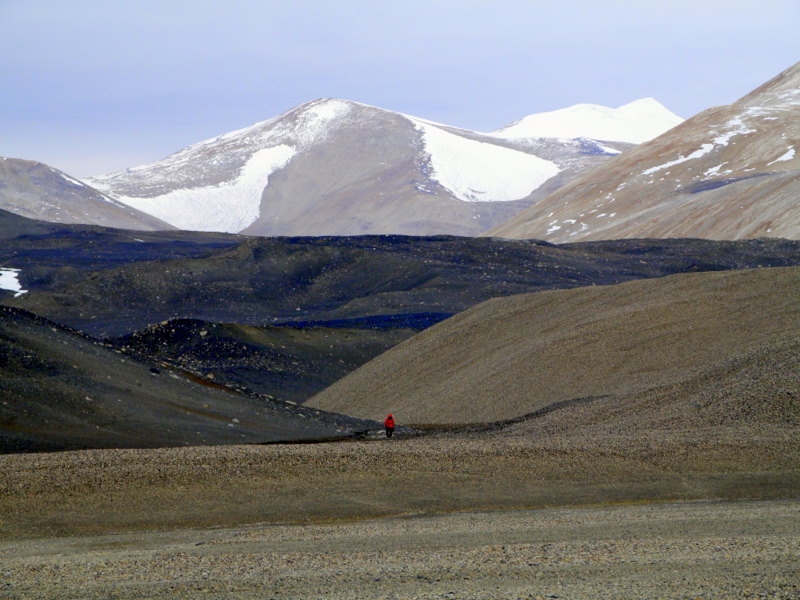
[(94, 86)]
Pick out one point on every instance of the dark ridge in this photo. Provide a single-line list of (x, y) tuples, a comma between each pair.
[(705, 186), (417, 321)]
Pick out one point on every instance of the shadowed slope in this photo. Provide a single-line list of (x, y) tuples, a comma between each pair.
[(512, 356), (61, 390), (290, 363)]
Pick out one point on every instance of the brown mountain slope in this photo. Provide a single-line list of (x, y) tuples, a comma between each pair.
[(38, 191), (513, 356), (730, 172)]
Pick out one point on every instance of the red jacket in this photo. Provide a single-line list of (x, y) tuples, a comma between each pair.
[(389, 422)]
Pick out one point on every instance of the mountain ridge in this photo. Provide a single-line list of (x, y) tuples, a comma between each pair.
[(730, 172), (338, 167)]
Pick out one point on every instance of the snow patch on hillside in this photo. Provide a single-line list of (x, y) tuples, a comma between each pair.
[(635, 123), (9, 280), (704, 149), (71, 180), (314, 122), (734, 127), (788, 156), (479, 172), (230, 206)]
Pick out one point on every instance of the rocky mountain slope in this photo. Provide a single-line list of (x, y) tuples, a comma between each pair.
[(730, 172), (287, 362), (612, 345), (335, 167), (61, 390), (38, 191)]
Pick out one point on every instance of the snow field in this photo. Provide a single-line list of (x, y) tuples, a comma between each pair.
[(9, 280), (230, 206), (637, 122), (479, 172)]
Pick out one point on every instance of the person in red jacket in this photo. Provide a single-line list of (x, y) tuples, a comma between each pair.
[(389, 424)]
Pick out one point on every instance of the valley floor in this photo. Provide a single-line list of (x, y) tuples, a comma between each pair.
[(706, 549), (514, 513)]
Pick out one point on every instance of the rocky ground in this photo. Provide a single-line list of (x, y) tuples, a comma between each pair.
[(530, 510), (677, 550)]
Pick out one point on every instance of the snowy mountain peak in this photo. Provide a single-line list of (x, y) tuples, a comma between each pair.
[(332, 166), (636, 122), (643, 104), (729, 172)]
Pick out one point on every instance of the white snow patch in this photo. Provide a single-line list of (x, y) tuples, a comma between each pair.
[(608, 149), (788, 156), (734, 127), (72, 180), (230, 206), (479, 172), (704, 149), (737, 126), (714, 170), (636, 122), (315, 120), (9, 280), (553, 229)]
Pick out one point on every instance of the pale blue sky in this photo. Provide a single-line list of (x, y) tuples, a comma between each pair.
[(92, 86)]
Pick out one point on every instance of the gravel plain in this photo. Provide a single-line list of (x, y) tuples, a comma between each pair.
[(677, 550), (474, 515)]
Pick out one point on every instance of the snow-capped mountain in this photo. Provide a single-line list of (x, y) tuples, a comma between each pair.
[(730, 172), (38, 191), (635, 123), (335, 167)]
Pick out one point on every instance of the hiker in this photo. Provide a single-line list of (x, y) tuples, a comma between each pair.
[(389, 424)]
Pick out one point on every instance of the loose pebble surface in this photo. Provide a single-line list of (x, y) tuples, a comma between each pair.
[(686, 550)]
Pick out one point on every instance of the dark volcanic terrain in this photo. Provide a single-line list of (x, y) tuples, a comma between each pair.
[(112, 282), (289, 362), (61, 390), (288, 316)]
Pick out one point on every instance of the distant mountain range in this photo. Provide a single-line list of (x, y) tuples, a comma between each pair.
[(335, 167), (730, 172)]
